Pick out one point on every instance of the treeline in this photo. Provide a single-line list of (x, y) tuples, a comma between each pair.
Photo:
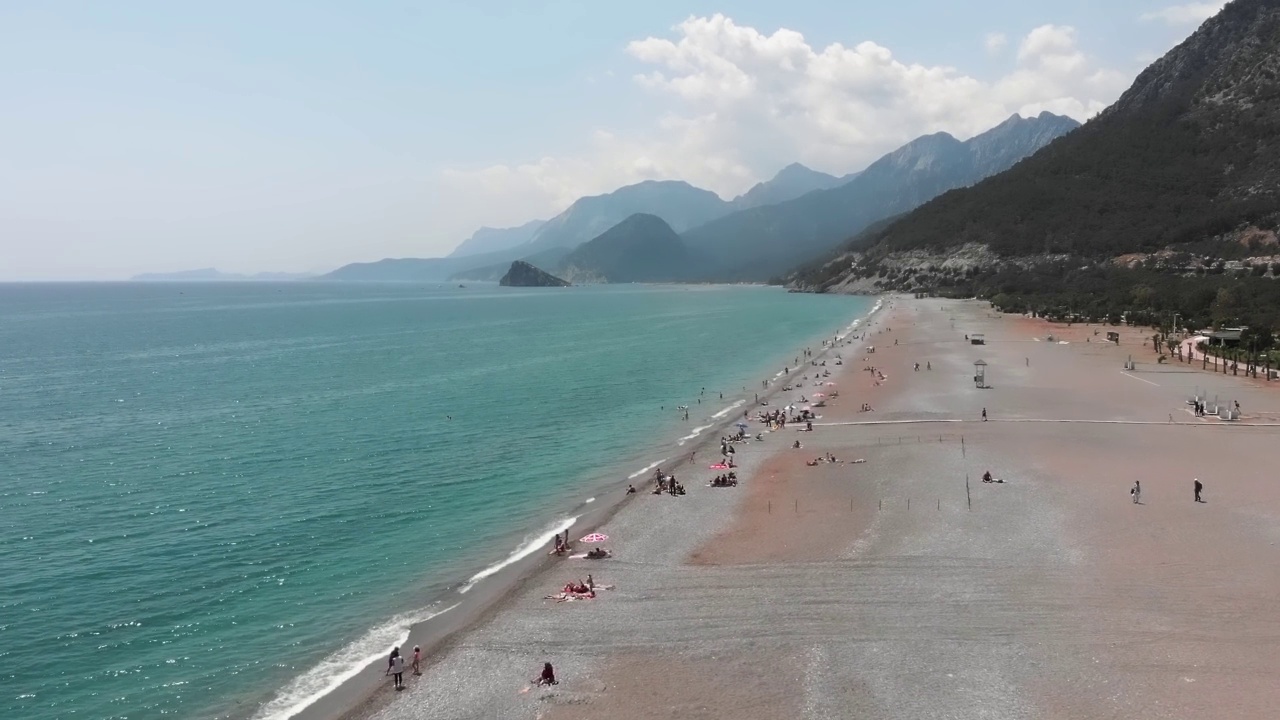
[(1138, 297)]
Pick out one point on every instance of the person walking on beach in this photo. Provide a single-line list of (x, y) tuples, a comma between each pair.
[(984, 414), (417, 660), (1198, 488), (1136, 492), (395, 668)]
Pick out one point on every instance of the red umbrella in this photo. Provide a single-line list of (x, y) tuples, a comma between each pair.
[(595, 538)]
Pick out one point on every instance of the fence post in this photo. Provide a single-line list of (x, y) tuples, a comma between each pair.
[(967, 497), (908, 503)]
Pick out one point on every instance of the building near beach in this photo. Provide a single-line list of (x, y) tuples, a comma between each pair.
[(1226, 337)]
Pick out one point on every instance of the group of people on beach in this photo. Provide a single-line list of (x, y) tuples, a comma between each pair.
[(576, 591), (561, 544), (825, 458), (663, 483), (667, 484), (729, 480), (395, 665)]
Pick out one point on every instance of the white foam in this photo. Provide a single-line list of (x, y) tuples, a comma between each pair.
[(696, 432), (730, 409), (343, 665), (645, 469), (530, 546)]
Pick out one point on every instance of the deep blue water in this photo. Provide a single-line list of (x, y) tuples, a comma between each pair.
[(210, 492)]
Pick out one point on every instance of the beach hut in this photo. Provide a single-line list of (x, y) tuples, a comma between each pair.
[(977, 339), (980, 373)]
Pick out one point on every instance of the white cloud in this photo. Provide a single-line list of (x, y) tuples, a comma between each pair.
[(995, 42), (732, 105), (1192, 13)]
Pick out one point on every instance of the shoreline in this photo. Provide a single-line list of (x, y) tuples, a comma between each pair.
[(1047, 594), (470, 603)]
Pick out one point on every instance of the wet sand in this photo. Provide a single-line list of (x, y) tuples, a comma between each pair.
[(894, 588)]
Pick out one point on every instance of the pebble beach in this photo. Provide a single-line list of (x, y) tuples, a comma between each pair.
[(900, 585)]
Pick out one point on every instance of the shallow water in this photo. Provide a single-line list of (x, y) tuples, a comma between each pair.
[(208, 489)]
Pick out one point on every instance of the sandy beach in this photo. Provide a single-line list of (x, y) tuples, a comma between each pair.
[(902, 586)]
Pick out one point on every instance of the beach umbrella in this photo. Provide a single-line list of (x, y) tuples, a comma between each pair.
[(819, 395), (595, 538), (741, 424), (831, 384)]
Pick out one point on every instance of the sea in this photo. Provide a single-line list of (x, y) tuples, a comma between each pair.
[(219, 500)]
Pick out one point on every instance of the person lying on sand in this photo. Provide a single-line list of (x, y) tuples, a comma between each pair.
[(597, 554)]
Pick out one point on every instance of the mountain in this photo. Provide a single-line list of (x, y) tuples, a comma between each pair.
[(641, 248), (763, 242), (678, 203), (1187, 161), (215, 275), (1016, 138), (522, 274), (791, 182), (549, 258), (488, 240), (407, 269)]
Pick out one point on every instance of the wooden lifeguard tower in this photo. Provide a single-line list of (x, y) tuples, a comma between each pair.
[(980, 373)]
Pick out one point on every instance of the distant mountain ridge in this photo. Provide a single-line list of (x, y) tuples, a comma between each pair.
[(489, 240), (760, 243), (678, 203), (812, 214), (215, 275), (789, 183)]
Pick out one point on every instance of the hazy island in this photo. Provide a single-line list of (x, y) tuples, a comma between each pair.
[(522, 274)]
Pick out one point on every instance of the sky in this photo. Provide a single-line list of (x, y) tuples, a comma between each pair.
[(302, 135)]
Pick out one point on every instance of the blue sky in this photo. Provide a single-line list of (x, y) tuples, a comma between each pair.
[(154, 136)]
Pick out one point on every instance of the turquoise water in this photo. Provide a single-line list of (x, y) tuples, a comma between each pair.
[(216, 498)]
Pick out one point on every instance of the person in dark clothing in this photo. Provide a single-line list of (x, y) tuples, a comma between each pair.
[(984, 414), (548, 676), (1198, 486)]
